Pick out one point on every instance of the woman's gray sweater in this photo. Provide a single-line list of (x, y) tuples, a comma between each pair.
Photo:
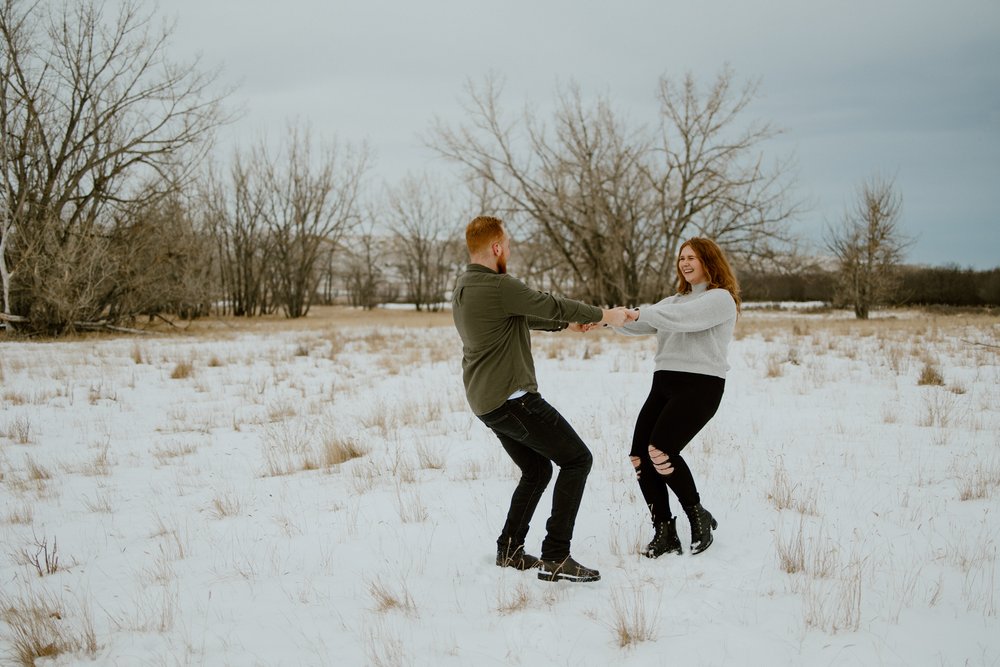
[(692, 330)]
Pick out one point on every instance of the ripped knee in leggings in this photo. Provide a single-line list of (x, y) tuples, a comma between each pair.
[(661, 461)]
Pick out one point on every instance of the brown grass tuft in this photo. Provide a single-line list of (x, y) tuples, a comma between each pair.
[(930, 375), (631, 622), (337, 450), (38, 627), (183, 369)]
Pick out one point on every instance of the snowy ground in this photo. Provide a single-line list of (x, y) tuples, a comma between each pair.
[(180, 499)]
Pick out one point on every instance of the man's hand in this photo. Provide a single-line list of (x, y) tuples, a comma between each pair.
[(617, 317)]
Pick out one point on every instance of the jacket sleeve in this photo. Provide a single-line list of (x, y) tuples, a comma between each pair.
[(518, 299), (711, 309), (540, 324)]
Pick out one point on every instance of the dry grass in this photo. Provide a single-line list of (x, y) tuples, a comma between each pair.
[(228, 504), (100, 503), (38, 627), (322, 319), (428, 457), (470, 470), (384, 648), (288, 448), (834, 605), (182, 370), (338, 449), (14, 398), (173, 450), (815, 556), (631, 622), (930, 374), (774, 368), (392, 599), (940, 409), (418, 412), (175, 539), (22, 515), (364, 478), (410, 505), (36, 472), (513, 599), (886, 326), (792, 552), (18, 430), (280, 410), (101, 464), (381, 418), (785, 495), (981, 482)]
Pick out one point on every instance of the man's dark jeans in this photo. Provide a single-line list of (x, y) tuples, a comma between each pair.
[(535, 436)]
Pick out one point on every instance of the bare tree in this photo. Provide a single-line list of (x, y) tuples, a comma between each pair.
[(363, 273), (8, 208), (164, 262), (233, 208), (712, 179), (613, 203), (312, 202), (569, 185), (425, 229), (94, 117), (869, 246)]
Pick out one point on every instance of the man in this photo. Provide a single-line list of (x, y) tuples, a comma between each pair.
[(493, 314)]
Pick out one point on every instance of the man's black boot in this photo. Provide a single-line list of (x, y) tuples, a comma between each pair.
[(516, 558), (702, 524), (665, 540), (566, 569)]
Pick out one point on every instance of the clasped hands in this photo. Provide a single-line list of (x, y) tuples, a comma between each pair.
[(615, 317)]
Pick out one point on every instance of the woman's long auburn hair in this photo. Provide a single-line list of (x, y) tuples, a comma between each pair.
[(714, 263)]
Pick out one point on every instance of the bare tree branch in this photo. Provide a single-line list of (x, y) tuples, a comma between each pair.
[(613, 203)]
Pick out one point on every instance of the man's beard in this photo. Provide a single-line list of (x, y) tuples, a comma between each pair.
[(501, 264)]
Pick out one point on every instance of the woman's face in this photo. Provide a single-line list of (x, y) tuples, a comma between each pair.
[(690, 266)]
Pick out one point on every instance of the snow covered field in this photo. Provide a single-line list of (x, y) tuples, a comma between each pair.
[(318, 493)]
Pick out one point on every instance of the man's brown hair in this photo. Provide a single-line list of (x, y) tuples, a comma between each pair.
[(483, 231)]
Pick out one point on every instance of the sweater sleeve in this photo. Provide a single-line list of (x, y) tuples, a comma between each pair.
[(713, 308), (519, 299), (635, 329)]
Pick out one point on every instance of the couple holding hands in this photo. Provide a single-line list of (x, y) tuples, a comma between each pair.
[(494, 313)]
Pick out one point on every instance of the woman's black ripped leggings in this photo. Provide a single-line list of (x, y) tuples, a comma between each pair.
[(678, 406)]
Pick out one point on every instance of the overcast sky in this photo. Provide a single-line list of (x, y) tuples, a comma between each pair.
[(909, 89)]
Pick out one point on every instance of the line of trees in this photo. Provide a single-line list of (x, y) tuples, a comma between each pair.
[(111, 207), (916, 286)]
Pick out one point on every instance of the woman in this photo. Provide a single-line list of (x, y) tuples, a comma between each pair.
[(693, 329)]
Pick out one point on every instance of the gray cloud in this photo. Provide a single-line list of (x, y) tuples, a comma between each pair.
[(909, 90)]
